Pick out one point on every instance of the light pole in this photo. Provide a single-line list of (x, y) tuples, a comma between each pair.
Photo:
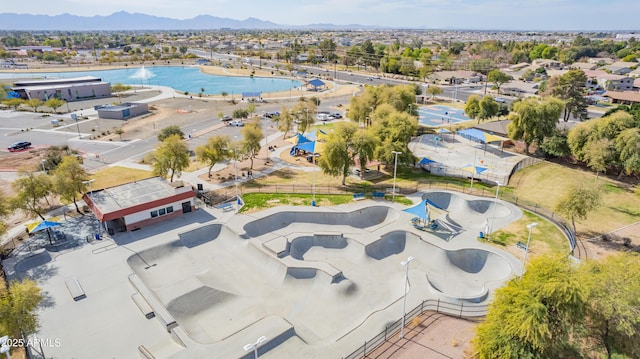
[(313, 177), (254, 346), (495, 206), (235, 165), (404, 301), (395, 167), (75, 118), (93, 204), (43, 168), (526, 251)]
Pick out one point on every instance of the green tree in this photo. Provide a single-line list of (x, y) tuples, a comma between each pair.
[(4, 211), (597, 154), (224, 95), (201, 92), (472, 106), (534, 120), (498, 78), (434, 90), (570, 88), (251, 137), (337, 156), (54, 103), (488, 108), (535, 316), (18, 308), (171, 156), (364, 147), (556, 145), (613, 322), (215, 150), (34, 103), (394, 130), (304, 113), (68, 180), (29, 192), (14, 102), (170, 131), (578, 202), (118, 89), (627, 145), (285, 121)]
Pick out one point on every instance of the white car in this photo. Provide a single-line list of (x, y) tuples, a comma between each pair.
[(236, 123)]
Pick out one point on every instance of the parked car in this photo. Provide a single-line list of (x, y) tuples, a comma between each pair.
[(336, 115), (237, 123), (19, 146), (272, 114), (500, 99), (227, 118)]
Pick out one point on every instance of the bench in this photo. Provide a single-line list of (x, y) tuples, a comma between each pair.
[(75, 289), (358, 196), (226, 207), (522, 246), (378, 195)]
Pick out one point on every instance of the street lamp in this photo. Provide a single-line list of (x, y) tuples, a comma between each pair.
[(404, 303), (235, 166), (89, 182), (313, 178), (526, 251), (254, 346), (495, 206), (75, 118), (395, 167)]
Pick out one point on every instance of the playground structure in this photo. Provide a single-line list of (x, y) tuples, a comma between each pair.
[(315, 282)]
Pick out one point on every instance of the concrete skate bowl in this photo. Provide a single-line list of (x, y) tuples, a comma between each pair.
[(467, 213), (460, 274), (362, 218), (301, 245), (474, 268)]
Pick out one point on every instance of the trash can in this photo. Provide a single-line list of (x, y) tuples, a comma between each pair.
[(481, 235)]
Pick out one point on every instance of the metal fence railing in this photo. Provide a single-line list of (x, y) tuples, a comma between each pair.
[(460, 310)]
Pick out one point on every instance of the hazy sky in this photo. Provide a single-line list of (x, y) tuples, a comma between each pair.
[(460, 14)]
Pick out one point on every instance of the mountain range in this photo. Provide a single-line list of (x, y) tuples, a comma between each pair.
[(127, 21)]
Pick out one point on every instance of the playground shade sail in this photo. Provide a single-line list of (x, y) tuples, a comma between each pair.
[(478, 135)]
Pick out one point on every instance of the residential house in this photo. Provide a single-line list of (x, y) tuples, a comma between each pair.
[(520, 88), (598, 79), (616, 70), (584, 66), (548, 63), (623, 98), (456, 77)]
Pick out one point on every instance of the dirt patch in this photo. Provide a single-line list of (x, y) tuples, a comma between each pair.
[(431, 335)]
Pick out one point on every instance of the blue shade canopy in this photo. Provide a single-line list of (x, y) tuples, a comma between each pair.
[(311, 147), (474, 169), (422, 210), (426, 161), (316, 83), (44, 225), (316, 135), (443, 130), (478, 135), (297, 139)]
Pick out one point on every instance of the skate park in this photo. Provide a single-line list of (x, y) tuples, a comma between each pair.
[(313, 281)]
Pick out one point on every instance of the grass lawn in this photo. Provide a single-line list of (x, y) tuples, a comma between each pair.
[(258, 201), (114, 176), (545, 183), (546, 237)]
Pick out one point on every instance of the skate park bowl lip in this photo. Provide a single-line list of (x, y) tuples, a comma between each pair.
[(467, 213), (361, 218), (473, 267)]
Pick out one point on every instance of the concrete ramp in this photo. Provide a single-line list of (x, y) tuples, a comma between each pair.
[(467, 213), (389, 244), (200, 235), (361, 218)]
